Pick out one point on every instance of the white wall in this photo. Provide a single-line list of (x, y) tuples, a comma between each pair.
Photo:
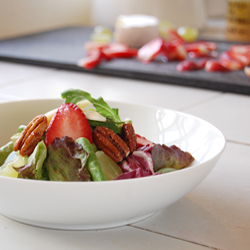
[(18, 17), (179, 12), (216, 8)]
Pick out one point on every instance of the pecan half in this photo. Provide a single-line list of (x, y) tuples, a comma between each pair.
[(31, 135), (110, 143), (128, 135)]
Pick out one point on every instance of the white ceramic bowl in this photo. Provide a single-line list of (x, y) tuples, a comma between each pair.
[(99, 205)]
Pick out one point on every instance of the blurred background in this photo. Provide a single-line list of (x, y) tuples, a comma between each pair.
[(28, 16)]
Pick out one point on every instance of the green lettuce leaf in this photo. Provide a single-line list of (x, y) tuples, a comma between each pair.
[(5, 150), (66, 161), (13, 161), (34, 168)]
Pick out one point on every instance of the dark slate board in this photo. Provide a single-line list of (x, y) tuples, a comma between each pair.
[(62, 48)]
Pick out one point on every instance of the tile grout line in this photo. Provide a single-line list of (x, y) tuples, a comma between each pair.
[(239, 143), (144, 229), (202, 101)]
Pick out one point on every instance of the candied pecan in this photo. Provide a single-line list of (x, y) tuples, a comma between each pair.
[(110, 143), (31, 135), (128, 135)]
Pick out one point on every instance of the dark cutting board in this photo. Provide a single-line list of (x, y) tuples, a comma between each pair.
[(62, 48)]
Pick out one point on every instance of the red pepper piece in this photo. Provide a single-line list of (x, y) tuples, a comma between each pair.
[(94, 57), (149, 51), (119, 50), (214, 65)]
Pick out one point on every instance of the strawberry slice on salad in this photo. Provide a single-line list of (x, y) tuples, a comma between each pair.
[(68, 120)]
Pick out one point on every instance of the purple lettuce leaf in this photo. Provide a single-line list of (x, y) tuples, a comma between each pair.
[(136, 173), (138, 164), (170, 157)]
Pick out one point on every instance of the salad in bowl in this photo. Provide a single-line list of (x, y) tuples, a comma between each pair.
[(85, 140)]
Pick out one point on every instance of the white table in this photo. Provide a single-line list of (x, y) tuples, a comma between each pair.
[(215, 215)]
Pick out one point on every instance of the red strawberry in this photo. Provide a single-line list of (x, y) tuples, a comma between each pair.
[(174, 51), (214, 65), (202, 47), (187, 65), (202, 63), (69, 120), (226, 59), (240, 49)]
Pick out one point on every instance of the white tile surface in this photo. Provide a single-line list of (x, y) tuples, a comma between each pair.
[(229, 112), (17, 236), (216, 213), (10, 73), (111, 88)]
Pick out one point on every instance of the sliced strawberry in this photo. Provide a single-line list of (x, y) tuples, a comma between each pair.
[(150, 50), (202, 47), (69, 120), (229, 61), (243, 58), (247, 70), (187, 65), (199, 54), (240, 48), (174, 51), (241, 53), (202, 62), (214, 65)]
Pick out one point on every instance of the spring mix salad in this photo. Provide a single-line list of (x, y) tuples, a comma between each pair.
[(85, 140)]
